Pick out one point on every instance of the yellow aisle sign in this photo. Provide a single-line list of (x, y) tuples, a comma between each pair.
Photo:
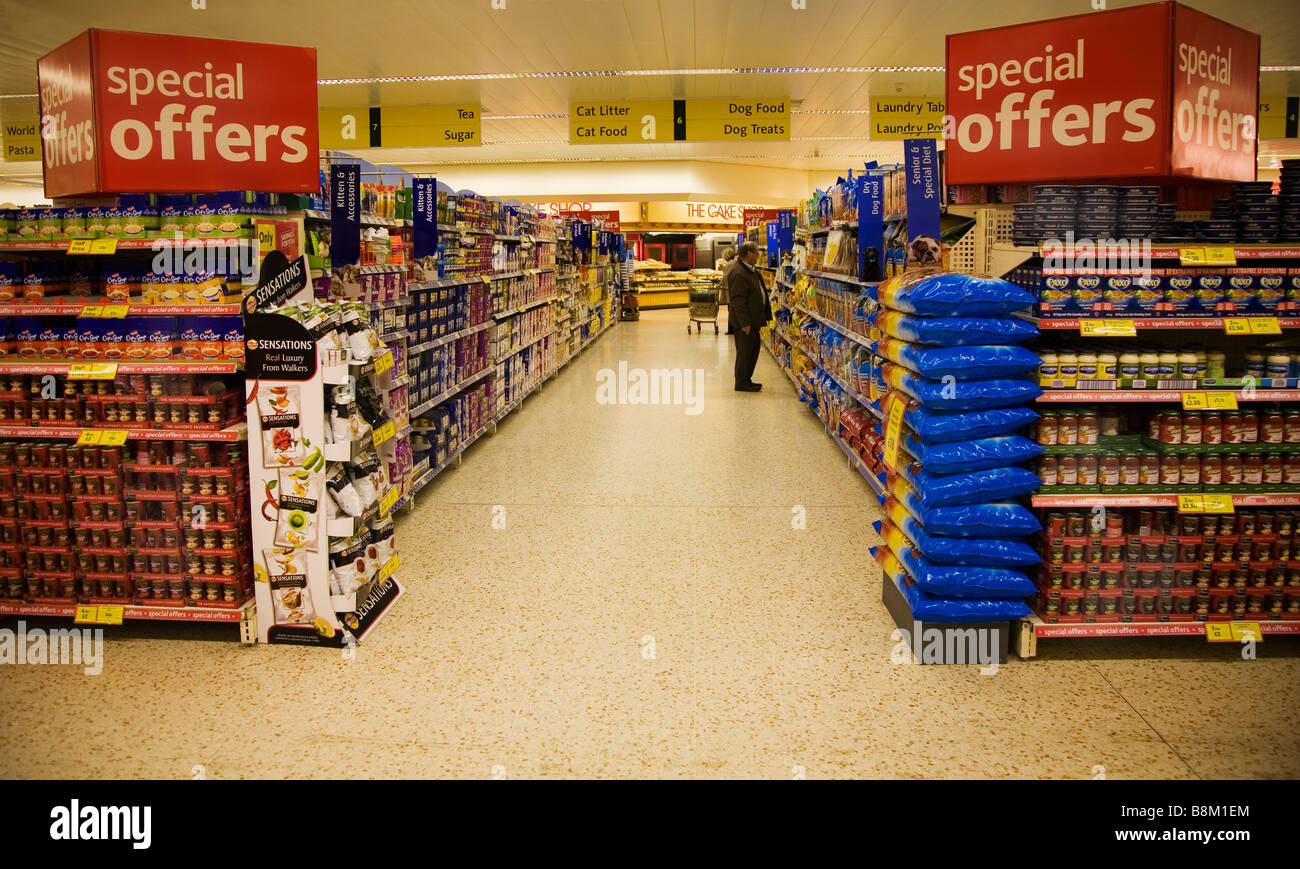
[(736, 120), (613, 121), (1272, 117), (400, 126), (427, 126), (907, 117), (20, 124)]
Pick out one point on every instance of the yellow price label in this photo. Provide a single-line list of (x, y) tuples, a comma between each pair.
[(116, 311), (80, 245), (384, 362), (893, 431), (1221, 256), (1107, 328), (103, 245), (389, 499), (1236, 326), (1194, 401), (1218, 632), (1264, 326), (92, 311), (92, 371), (1191, 504), (1220, 400), (89, 437), (1191, 256), (113, 437), (389, 568), (265, 238), (110, 614), (1242, 630), (1217, 504), (104, 614), (384, 433)]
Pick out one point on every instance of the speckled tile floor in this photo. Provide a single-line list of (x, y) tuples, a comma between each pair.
[(647, 611)]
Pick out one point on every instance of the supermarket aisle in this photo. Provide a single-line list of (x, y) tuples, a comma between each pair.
[(618, 590)]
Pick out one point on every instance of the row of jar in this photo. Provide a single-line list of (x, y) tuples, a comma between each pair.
[(1086, 426), (1153, 469)]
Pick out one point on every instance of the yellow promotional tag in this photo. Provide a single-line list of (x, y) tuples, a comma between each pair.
[(1218, 632), (109, 614), (893, 431), (1241, 630), (265, 238), (92, 371), (1265, 326), (384, 362), (116, 311), (80, 245), (1191, 256), (113, 437), (1194, 401), (89, 437), (103, 245), (86, 615), (92, 311), (1236, 326), (1220, 400), (1217, 504), (1107, 328), (384, 433), (1221, 256), (1191, 504), (389, 568), (386, 504)]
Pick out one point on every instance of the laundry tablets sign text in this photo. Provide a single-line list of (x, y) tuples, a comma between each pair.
[(137, 112), (1155, 90)]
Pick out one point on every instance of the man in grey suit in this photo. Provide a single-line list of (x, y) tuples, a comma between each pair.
[(748, 311)]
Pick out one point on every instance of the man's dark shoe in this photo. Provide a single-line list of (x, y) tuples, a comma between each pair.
[(756, 385), (749, 387)]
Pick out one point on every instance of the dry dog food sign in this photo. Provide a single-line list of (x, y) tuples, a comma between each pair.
[(1159, 90), (131, 112)]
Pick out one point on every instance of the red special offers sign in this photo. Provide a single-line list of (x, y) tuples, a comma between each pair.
[(1216, 98), (139, 112), (1079, 97)]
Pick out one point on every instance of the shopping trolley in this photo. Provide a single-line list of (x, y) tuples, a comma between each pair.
[(704, 309)]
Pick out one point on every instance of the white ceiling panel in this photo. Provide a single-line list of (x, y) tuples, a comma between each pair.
[(456, 37)]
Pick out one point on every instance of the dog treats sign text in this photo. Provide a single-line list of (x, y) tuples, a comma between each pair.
[(1089, 96), (150, 112)]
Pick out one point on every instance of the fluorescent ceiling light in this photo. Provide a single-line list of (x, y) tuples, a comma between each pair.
[(617, 73)]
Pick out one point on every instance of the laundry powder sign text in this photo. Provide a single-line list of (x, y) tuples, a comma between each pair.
[(1090, 97), (137, 111)]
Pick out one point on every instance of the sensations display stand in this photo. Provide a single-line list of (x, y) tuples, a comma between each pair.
[(321, 493)]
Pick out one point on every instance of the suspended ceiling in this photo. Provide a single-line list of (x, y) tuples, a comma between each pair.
[(389, 38)]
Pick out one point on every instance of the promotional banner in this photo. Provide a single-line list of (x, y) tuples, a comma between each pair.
[(785, 230), (286, 434), (1079, 97), (345, 216), (871, 227), (424, 217), (1216, 89), (773, 246), (143, 112), (280, 282), (921, 164)]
